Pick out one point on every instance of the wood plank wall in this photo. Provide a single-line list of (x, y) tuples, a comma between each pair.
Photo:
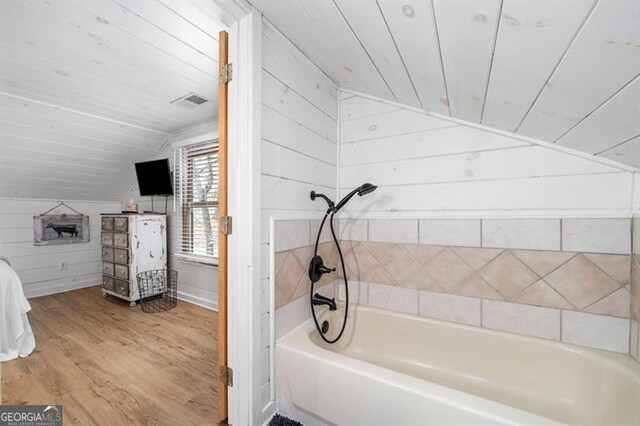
[(39, 266), (299, 134), (431, 167)]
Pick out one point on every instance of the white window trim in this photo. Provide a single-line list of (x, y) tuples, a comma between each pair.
[(179, 143), (197, 258)]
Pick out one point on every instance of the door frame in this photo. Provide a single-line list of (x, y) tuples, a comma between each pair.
[(244, 206)]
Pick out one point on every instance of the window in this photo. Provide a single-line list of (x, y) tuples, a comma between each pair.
[(197, 181)]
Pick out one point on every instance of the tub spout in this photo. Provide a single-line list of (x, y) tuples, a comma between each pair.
[(321, 300)]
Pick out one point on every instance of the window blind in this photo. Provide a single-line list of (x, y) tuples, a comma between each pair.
[(197, 179)]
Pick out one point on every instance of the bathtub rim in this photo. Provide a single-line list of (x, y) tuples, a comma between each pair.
[(622, 360), (299, 341)]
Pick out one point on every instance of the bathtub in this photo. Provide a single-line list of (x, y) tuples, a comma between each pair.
[(392, 368)]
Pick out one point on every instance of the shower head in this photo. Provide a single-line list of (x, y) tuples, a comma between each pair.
[(366, 188), (363, 189)]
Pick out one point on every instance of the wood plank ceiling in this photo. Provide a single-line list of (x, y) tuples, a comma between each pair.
[(86, 90), (562, 71)]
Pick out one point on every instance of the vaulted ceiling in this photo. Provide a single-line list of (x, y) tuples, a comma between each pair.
[(86, 90), (562, 71)]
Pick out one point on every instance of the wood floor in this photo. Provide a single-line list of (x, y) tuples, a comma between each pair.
[(109, 364)]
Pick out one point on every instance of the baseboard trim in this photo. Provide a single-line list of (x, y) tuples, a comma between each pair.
[(268, 412), (32, 291), (199, 301)]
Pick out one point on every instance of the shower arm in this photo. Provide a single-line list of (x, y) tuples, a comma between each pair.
[(313, 195)]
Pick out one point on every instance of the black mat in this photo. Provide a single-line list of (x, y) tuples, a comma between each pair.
[(279, 420)]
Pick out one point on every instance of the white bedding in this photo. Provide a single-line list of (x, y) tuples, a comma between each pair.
[(16, 337)]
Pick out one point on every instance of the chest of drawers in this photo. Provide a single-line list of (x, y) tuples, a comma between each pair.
[(131, 244)]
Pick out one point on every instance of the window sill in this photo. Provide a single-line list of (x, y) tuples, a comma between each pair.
[(195, 258)]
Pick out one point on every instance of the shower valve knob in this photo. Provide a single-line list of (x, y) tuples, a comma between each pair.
[(317, 269), (325, 270)]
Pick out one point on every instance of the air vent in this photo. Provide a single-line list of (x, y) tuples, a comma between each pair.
[(191, 100)]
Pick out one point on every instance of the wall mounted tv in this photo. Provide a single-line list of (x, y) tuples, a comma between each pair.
[(154, 178)]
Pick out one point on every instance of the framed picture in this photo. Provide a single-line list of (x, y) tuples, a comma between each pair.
[(60, 229)]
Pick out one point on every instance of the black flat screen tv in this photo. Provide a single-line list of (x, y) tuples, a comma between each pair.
[(154, 178)]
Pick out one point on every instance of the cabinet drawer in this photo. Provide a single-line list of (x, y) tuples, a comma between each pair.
[(121, 256), (107, 254), (120, 224), (122, 271), (107, 239), (107, 224), (121, 240), (122, 287), (108, 283), (108, 268)]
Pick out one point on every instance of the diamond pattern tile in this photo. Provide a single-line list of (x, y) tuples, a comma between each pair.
[(378, 250), (476, 258), (476, 286), (423, 254), (508, 275), (279, 261), (542, 294), (399, 264), (581, 282), (635, 287), (358, 262), (288, 278), (421, 280), (616, 304), (594, 283), (448, 270), (378, 276), (616, 266), (543, 262), (304, 255)]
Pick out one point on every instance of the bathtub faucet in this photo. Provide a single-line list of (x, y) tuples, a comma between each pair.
[(321, 300)]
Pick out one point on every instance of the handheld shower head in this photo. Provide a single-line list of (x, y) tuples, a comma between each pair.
[(363, 189), (366, 188)]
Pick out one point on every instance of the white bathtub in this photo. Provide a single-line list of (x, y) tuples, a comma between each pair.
[(392, 368)]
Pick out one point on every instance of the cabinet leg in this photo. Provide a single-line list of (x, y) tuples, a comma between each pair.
[(132, 304), (104, 294)]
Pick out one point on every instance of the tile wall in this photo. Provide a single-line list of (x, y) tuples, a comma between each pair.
[(294, 242), (561, 279), (635, 291)]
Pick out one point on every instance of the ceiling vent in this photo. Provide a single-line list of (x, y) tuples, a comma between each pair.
[(190, 101)]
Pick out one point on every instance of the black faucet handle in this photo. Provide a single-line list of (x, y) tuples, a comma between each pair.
[(325, 270), (317, 269)]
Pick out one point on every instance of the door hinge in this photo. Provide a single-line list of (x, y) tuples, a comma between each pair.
[(226, 375), (226, 225), (226, 73)]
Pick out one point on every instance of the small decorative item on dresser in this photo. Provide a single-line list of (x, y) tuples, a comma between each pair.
[(158, 290), (130, 207)]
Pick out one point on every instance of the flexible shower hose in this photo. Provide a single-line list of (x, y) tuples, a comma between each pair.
[(344, 274)]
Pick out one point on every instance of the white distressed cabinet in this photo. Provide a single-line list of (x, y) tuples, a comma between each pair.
[(131, 243)]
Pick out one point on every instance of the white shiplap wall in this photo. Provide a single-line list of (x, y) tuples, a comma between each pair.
[(197, 282), (39, 266), (299, 133), (428, 166), (552, 70)]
